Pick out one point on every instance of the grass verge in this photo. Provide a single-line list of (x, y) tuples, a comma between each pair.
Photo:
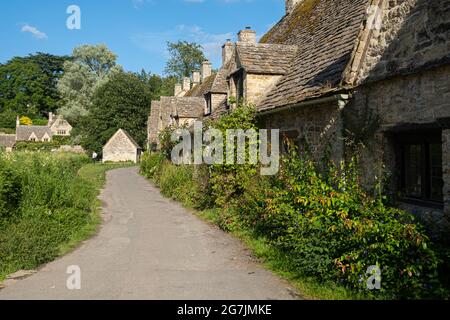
[(48, 205), (280, 264), (95, 174)]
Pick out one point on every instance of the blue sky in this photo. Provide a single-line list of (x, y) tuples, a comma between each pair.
[(136, 30)]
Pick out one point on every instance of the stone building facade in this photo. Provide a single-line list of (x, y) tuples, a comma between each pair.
[(365, 75), (121, 148)]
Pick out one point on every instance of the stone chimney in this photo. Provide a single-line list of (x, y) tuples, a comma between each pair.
[(17, 121), (206, 69), (195, 77), (50, 117), (186, 84), (227, 51), (177, 90), (291, 4), (247, 36)]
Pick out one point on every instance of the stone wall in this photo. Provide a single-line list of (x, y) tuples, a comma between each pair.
[(120, 149), (319, 127), (257, 86), (416, 99), (414, 35)]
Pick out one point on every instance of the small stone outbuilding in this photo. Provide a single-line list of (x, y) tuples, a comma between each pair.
[(121, 148)]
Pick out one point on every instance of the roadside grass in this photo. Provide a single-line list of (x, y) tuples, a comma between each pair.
[(280, 264), (55, 209), (95, 174)]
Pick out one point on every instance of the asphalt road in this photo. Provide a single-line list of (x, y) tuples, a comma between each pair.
[(150, 247)]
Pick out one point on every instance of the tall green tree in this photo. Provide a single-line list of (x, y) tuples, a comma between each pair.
[(28, 86), (159, 86), (122, 102), (90, 67), (184, 58)]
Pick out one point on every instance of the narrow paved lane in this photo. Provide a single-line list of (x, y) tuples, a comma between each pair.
[(151, 248)]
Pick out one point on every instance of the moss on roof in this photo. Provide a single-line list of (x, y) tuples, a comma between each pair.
[(201, 89), (301, 16)]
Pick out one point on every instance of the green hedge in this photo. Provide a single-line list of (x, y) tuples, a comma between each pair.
[(44, 204), (326, 225)]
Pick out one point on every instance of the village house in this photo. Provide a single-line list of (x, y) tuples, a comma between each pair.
[(121, 147), (344, 77), (56, 126), (7, 142)]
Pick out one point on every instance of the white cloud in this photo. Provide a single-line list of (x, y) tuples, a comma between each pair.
[(34, 31)]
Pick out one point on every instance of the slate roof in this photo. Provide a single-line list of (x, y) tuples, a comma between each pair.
[(127, 135), (130, 138), (218, 112), (326, 33), (265, 58), (200, 90), (7, 140), (188, 107), (220, 84), (23, 133)]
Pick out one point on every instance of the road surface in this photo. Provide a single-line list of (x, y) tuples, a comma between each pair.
[(150, 247)]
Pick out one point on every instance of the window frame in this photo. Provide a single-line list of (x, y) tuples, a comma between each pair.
[(424, 138)]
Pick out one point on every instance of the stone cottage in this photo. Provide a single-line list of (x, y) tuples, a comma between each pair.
[(7, 142), (56, 126), (365, 76), (121, 148), (201, 95)]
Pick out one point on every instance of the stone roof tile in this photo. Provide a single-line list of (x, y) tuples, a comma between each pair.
[(325, 32)]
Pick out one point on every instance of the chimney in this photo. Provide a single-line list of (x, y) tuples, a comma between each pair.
[(178, 89), (206, 69), (291, 4), (196, 77), (186, 84), (50, 117), (17, 121), (247, 36), (227, 51)]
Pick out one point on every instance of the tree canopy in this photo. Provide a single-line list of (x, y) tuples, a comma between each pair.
[(28, 86), (123, 102), (184, 58), (90, 67)]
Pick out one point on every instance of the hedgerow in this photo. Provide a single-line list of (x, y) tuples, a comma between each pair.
[(323, 221), (44, 203)]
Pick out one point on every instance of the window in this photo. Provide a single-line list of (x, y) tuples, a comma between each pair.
[(421, 167), (289, 139), (208, 104)]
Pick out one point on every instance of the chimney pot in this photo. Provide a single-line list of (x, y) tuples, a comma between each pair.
[(206, 69), (227, 51), (178, 89), (196, 77), (247, 36), (186, 84)]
